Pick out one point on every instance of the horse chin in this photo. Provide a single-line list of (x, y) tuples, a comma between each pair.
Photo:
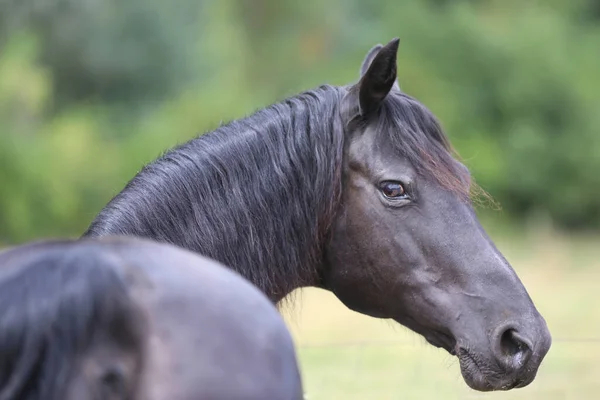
[(437, 337), (441, 340)]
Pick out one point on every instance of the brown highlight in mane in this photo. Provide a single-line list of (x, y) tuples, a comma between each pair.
[(426, 146)]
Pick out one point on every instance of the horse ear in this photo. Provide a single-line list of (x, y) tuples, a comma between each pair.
[(379, 77), (369, 59)]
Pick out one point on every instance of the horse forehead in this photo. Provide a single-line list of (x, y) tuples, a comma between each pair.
[(375, 152)]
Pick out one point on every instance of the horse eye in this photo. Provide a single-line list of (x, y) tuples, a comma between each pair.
[(393, 190)]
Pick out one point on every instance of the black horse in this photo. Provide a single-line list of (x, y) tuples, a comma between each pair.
[(126, 318), (353, 189)]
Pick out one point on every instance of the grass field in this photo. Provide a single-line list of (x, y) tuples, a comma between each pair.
[(345, 355)]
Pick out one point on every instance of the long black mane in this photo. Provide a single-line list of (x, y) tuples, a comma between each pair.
[(260, 193), (52, 302), (257, 194)]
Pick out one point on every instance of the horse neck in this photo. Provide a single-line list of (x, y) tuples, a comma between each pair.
[(257, 195)]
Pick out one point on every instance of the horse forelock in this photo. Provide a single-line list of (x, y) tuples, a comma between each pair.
[(416, 134)]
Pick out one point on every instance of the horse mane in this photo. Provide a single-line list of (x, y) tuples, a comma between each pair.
[(257, 194), (260, 193), (53, 301)]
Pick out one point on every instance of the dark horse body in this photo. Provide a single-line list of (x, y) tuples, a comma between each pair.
[(126, 318), (352, 189)]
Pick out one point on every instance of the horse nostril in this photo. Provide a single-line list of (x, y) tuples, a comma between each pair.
[(515, 349)]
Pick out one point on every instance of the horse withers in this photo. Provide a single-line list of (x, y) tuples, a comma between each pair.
[(353, 189), (126, 318)]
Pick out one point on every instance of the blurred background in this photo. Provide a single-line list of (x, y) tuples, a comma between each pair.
[(91, 90)]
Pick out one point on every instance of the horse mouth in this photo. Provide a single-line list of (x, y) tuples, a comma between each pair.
[(472, 372), (475, 371), (482, 378)]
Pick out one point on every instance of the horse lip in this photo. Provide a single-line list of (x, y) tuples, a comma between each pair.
[(469, 366)]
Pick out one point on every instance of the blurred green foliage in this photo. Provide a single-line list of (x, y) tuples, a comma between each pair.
[(90, 91)]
